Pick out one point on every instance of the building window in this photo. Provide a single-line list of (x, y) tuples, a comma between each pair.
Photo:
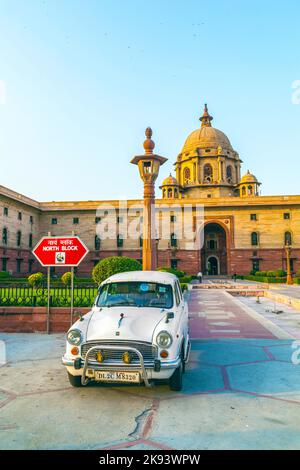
[(141, 242), (54, 221), (208, 173), (97, 220), (4, 236), (120, 241), (243, 191), (186, 176), (30, 240), (173, 240), (173, 218), (255, 265), (31, 219), (254, 238), (5, 211), (250, 190), (119, 220), (212, 245), (253, 216), (286, 216), (254, 253), (30, 265), (19, 215), (19, 264), (174, 263), (4, 264), (97, 242), (19, 238), (75, 220), (229, 174), (287, 238)]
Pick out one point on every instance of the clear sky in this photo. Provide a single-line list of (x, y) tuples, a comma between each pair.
[(80, 80)]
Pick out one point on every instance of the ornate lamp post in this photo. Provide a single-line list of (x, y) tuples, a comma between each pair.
[(149, 164), (289, 278)]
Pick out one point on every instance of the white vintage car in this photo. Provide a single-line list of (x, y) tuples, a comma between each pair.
[(137, 331)]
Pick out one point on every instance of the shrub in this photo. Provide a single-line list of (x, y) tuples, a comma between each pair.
[(185, 279), (177, 272), (271, 273), (184, 286), (113, 265), (4, 275), (298, 273), (261, 273), (280, 273), (66, 278), (297, 280), (36, 280)]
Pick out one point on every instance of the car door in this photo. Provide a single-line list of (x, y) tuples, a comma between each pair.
[(182, 312)]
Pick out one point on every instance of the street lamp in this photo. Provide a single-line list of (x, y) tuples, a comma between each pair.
[(289, 278), (148, 165)]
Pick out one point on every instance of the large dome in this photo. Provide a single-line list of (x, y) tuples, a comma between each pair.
[(206, 137)]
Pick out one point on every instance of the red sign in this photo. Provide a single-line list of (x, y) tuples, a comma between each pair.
[(60, 251)]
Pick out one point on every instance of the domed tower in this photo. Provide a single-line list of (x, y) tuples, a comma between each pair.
[(249, 185), (170, 188), (207, 165)]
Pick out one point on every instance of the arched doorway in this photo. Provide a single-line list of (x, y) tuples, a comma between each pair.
[(214, 250), (212, 266)]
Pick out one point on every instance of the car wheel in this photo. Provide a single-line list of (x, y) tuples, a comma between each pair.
[(75, 380), (175, 381)]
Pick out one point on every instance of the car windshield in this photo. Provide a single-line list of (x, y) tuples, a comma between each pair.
[(136, 294)]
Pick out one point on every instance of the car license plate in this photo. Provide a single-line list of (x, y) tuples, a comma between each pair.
[(117, 376)]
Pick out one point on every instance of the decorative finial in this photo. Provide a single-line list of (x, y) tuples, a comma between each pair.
[(206, 118), (148, 144)]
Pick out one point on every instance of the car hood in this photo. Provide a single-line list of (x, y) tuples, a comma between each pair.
[(138, 324)]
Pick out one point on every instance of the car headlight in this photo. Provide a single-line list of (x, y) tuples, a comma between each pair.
[(74, 337), (164, 339)]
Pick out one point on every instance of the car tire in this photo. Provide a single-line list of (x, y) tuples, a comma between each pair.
[(175, 381), (75, 380)]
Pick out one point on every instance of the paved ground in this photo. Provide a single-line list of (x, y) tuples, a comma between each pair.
[(241, 390)]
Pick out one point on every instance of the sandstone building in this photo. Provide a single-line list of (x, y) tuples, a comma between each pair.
[(242, 230)]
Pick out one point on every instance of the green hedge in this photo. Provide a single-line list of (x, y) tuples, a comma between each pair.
[(177, 272), (266, 279), (185, 279)]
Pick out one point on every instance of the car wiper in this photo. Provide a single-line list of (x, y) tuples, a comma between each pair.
[(117, 304)]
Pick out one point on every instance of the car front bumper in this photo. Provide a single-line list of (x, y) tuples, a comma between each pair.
[(158, 370)]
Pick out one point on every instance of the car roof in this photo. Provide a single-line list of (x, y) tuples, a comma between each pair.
[(144, 276)]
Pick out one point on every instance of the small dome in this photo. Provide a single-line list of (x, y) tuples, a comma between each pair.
[(170, 181), (248, 178)]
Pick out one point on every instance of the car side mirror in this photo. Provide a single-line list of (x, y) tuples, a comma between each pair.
[(79, 315), (170, 315)]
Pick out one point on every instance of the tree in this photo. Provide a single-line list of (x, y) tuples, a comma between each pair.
[(36, 280), (114, 265), (66, 278)]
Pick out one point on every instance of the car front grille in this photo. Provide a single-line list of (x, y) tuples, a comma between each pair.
[(148, 351)]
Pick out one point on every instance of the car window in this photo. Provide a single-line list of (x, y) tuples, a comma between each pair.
[(177, 296), (179, 290), (135, 294)]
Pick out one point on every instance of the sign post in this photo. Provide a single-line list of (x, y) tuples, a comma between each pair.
[(60, 252)]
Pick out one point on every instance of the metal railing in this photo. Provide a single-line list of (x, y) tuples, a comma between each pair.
[(27, 296)]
